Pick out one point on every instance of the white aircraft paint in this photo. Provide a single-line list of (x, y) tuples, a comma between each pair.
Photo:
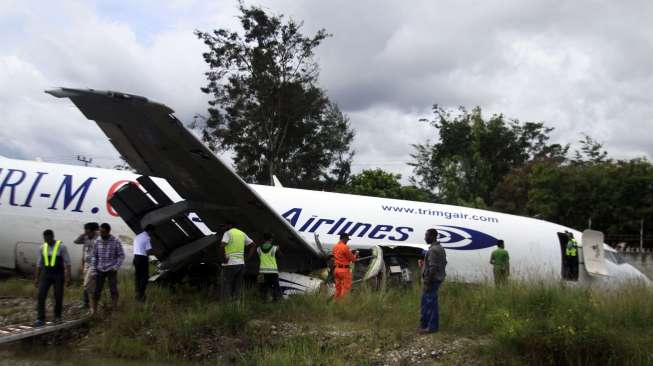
[(35, 196)]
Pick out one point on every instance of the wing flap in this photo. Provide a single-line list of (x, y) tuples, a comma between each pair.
[(155, 143)]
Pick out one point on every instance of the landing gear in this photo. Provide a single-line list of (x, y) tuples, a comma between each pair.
[(399, 273)]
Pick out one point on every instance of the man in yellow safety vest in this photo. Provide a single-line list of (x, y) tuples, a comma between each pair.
[(571, 258), (268, 269), (52, 269), (234, 242)]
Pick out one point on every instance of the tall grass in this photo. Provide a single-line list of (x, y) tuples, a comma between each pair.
[(547, 324), (24, 287), (520, 323)]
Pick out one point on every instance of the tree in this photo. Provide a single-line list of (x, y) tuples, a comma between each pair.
[(473, 154), (266, 106), (591, 151), (124, 165), (379, 183)]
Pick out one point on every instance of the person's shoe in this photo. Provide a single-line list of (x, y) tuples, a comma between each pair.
[(39, 323), (427, 331), (57, 320)]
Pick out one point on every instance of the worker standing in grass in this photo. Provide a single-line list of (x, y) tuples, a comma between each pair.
[(107, 258), (87, 239), (234, 242), (433, 274), (501, 262), (268, 269), (343, 258), (52, 269), (142, 250)]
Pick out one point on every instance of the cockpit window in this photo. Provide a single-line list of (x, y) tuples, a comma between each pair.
[(614, 257)]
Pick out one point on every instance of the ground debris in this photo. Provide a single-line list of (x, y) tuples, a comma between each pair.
[(428, 350)]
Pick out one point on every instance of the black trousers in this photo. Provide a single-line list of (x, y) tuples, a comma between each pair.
[(270, 284), (232, 281), (570, 268), (141, 275), (47, 280), (112, 278), (573, 271)]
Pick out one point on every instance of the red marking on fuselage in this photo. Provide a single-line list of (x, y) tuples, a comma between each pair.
[(114, 187)]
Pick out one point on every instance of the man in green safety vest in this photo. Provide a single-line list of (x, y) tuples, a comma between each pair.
[(52, 269), (234, 242), (571, 258), (268, 269), (500, 260)]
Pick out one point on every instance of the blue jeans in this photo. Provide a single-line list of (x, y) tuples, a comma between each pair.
[(430, 318)]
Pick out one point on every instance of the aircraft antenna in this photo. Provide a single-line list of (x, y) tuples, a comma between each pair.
[(84, 160)]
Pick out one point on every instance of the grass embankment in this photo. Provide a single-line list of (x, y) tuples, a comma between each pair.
[(517, 324)]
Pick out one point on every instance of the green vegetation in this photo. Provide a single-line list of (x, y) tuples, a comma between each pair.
[(267, 106), (511, 166), (17, 287), (535, 324), (379, 183)]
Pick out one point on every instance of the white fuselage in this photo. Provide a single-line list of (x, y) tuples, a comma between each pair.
[(35, 196)]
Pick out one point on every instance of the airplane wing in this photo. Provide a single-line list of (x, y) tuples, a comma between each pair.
[(155, 143)]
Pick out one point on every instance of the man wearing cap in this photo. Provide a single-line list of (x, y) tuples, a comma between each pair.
[(343, 258), (52, 269)]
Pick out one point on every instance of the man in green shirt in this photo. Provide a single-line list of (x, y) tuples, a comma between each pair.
[(501, 262)]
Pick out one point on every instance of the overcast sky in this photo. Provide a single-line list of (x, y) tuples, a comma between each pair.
[(578, 66)]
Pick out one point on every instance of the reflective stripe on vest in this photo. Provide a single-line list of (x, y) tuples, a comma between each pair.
[(53, 260), (236, 246), (268, 261)]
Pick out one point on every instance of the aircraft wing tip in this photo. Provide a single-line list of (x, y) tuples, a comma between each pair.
[(59, 92), (72, 92)]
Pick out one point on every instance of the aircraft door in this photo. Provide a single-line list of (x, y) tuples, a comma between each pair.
[(27, 254), (569, 260), (593, 254)]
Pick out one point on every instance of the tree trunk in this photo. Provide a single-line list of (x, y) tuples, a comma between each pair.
[(271, 170)]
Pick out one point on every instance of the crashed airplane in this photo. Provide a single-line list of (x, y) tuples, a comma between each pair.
[(187, 193)]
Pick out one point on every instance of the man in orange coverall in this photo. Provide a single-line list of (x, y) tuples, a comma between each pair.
[(342, 258)]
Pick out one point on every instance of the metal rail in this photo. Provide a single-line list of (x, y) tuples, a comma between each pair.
[(11, 333)]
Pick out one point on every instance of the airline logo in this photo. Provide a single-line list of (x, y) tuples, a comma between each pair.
[(459, 238), (451, 237)]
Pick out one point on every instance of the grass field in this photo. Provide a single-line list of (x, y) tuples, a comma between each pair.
[(534, 324)]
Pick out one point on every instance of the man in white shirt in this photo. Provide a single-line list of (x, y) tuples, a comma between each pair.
[(142, 250), (233, 245)]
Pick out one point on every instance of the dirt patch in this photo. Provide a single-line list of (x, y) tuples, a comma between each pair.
[(430, 350), (409, 350)]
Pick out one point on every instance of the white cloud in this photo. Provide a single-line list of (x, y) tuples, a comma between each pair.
[(77, 48), (580, 66)]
